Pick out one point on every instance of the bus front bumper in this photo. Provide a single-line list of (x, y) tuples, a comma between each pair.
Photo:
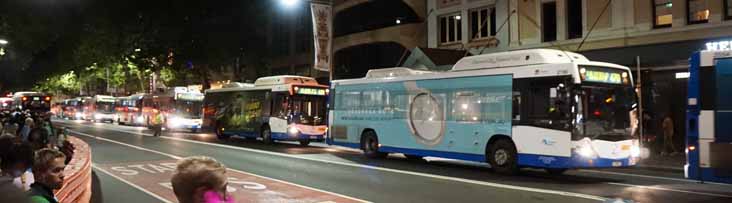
[(575, 161)]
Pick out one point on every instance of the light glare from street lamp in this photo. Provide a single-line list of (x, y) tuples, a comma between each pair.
[(289, 3), (3, 42)]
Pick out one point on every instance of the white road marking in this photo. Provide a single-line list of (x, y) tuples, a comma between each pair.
[(131, 184), (178, 157), (651, 177), (484, 183), (669, 189), (350, 149)]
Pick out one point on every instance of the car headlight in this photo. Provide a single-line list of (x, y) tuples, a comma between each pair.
[(79, 115), (139, 119), (293, 131), (97, 116)]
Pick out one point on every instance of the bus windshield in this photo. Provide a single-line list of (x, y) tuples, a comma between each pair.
[(308, 110), (604, 111), (188, 108), (105, 107)]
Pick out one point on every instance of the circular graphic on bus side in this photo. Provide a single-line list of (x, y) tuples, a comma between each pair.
[(426, 119)]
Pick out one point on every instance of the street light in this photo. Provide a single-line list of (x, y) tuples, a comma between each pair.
[(3, 42), (289, 3)]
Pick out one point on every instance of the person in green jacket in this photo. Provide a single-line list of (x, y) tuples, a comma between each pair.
[(48, 172)]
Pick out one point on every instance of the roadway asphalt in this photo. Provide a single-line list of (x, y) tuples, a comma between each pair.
[(340, 175)]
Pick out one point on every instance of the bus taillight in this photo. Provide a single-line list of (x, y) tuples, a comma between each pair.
[(48, 98), (25, 98)]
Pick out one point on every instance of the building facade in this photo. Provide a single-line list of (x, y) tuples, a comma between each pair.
[(659, 34), (375, 34)]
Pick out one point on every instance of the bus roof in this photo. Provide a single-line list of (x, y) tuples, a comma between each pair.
[(274, 83), (285, 79), (518, 58), (393, 72)]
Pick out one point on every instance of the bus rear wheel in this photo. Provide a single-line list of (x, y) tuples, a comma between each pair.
[(556, 171), (267, 135), (502, 157), (304, 143), (370, 145), (414, 157)]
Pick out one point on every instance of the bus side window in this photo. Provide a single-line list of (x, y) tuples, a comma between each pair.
[(516, 111), (267, 105)]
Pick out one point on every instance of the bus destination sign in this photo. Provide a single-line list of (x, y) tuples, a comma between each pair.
[(601, 76), (310, 91)]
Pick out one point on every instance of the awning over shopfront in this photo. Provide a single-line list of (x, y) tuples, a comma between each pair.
[(666, 56)]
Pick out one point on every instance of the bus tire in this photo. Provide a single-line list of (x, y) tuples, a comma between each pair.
[(194, 130), (304, 143), (414, 157), (555, 171), (267, 135), (370, 145), (219, 133), (502, 157)]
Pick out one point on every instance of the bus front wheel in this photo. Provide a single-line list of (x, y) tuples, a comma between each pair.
[(502, 157), (267, 135), (304, 143), (220, 133), (370, 145)]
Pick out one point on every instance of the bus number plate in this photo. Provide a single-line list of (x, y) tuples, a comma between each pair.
[(313, 137), (617, 163)]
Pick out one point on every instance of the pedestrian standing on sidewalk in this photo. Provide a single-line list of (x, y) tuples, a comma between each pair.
[(200, 179), (157, 122), (668, 134), (48, 172)]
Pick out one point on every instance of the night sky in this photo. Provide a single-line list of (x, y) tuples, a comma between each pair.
[(47, 37)]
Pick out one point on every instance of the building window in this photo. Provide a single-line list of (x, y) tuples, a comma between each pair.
[(451, 29), (697, 11), (727, 9), (482, 23), (662, 10), (574, 19), (549, 21)]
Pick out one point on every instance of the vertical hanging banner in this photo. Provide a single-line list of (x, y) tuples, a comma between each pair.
[(323, 35)]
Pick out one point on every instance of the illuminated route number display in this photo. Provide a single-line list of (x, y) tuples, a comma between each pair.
[(601, 75), (310, 91)]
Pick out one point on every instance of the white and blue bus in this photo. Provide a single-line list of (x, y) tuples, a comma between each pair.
[(709, 115), (536, 108), (273, 108)]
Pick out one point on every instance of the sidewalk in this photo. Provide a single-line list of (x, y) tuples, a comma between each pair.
[(673, 163)]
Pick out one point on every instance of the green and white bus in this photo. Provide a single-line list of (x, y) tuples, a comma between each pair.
[(531, 108), (273, 108)]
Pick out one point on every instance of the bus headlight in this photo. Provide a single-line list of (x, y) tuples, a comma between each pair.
[(98, 116), (293, 130), (635, 151), (586, 151), (79, 115), (176, 121), (139, 119)]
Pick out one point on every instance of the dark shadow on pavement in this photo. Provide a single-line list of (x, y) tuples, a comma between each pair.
[(97, 196)]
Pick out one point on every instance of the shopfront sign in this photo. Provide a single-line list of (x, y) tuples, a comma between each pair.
[(723, 45)]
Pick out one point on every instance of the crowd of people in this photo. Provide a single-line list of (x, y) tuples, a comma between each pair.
[(33, 155)]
